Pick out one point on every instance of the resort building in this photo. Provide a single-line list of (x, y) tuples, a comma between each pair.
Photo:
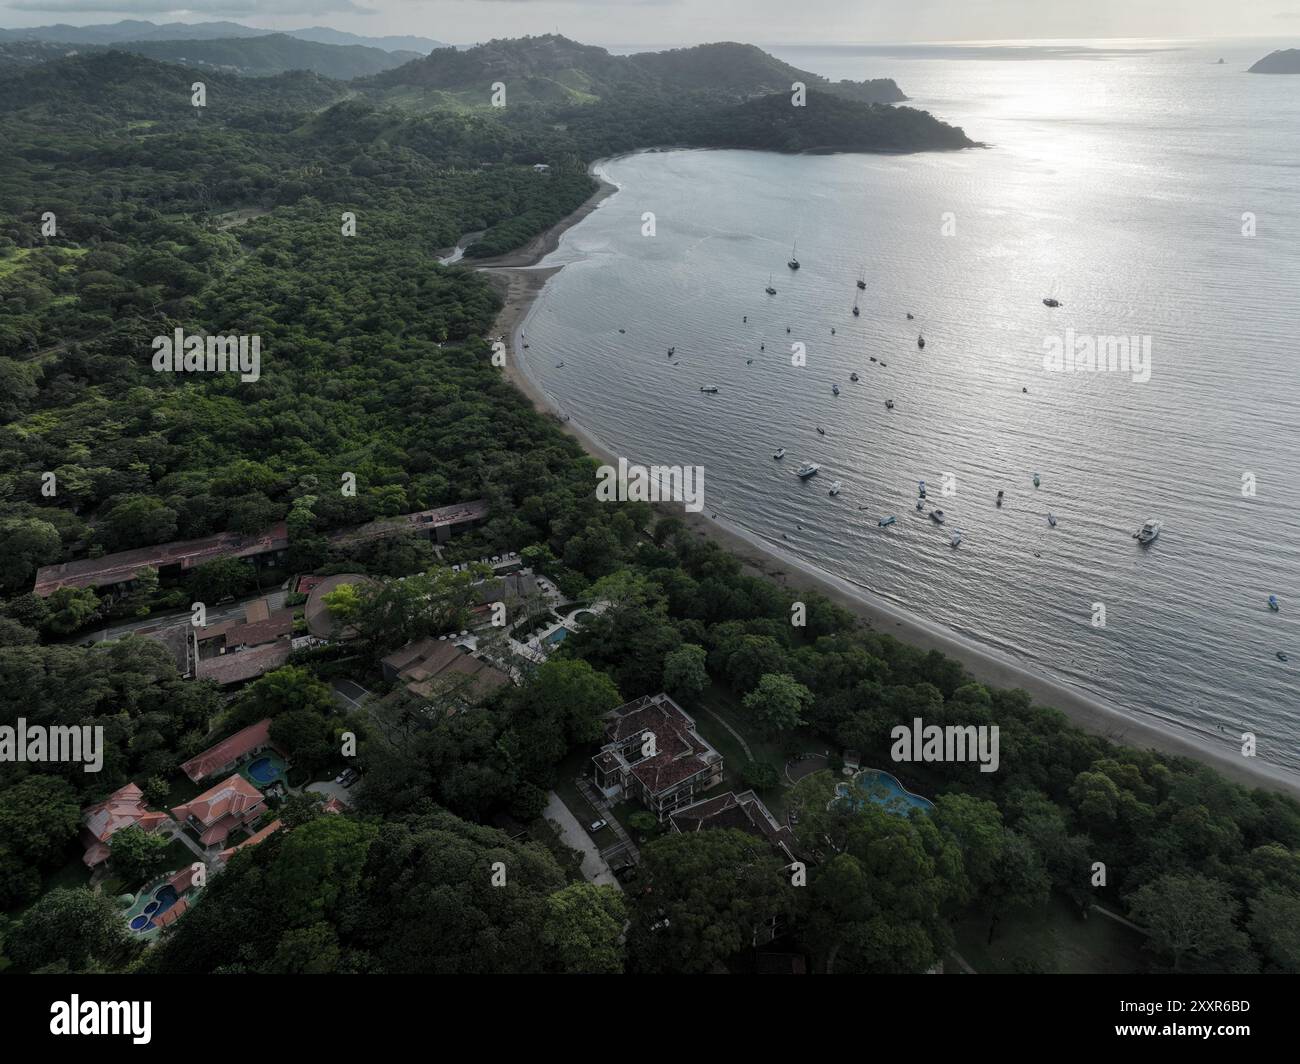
[(118, 572), (743, 812), (123, 808), (252, 840), (654, 754), (231, 652), (215, 813), (430, 665), (225, 755), (438, 525)]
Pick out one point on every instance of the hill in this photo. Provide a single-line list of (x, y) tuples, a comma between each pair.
[(275, 53), (1283, 61), (140, 30), (552, 69)]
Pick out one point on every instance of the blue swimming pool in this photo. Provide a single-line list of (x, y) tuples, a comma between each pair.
[(166, 898), (139, 923), (558, 636), (876, 785), (263, 770)]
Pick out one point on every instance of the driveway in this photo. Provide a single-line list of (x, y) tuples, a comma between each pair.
[(594, 868)]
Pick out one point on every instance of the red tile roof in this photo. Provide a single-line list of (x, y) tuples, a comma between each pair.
[(680, 752), (228, 751), (123, 808), (126, 565), (253, 840), (221, 809)]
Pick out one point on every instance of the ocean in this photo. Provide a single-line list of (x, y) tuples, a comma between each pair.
[(1151, 190)]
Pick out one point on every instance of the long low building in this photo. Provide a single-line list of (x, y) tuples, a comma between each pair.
[(438, 525), (170, 559)]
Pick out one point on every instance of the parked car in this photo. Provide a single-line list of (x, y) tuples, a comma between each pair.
[(597, 825), (342, 775)]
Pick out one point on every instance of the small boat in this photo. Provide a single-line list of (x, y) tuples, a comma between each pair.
[(835, 488), (909, 317), (1148, 532), (832, 330), (835, 389), (559, 365), (854, 377), (889, 404), (672, 351), (708, 389), (862, 280), (622, 330), (873, 358), (770, 290), (920, 341), (1035, 480), (920, 489), (884, 364), (808, 469), (1051, 520), (937, 516), (779, 453), (999, 498), (794, 258), (1281, 656), (821, 431), (1049, 302), (749, 361), (955, 540), (1273, 604), (920, 505), (885, 522), (787, 330), (1024, 391), (856, 311)]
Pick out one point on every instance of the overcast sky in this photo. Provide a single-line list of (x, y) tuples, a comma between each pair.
[(693, 21)]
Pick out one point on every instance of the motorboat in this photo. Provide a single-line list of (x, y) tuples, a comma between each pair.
[(854, 377), (808, 469), (835, 389), (920, 505), (955, 539), (770, 290), (999, 497), (920, 489), (835, 488), (1051, 520), (889, 404), (1049, 302), (1148, 532), (1036, 481), (937, 516), (1273, 604), (885, 522), (821, 431), (708, 388), (779, 453), (920, 341)]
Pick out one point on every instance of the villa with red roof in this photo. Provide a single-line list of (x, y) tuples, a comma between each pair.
[(215, 813), (229, 752), (653, 753), (121, 809)]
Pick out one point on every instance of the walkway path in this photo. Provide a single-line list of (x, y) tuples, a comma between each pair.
[(735, 734), (594, 868)]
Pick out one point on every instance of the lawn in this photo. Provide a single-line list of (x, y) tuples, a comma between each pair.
[(1051, 938)]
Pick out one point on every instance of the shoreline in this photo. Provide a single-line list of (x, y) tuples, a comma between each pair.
[(521, 280)]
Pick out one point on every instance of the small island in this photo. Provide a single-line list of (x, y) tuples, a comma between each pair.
[(1283, 61)]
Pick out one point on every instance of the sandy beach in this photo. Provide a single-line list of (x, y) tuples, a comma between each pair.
[(520, 281)]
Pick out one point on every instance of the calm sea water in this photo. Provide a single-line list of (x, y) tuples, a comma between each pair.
[(1115, 181)]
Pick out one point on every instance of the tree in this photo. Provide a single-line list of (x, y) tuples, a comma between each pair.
[(220, 579), (137, 854), (39, 815), (312, 950), (1187, 914), (71, 608), (1275, 925), (759, 775), (136, 521), (582, 927), (29, 543), (285, 690), (685, 675), (75, 927), (344, 605), (779, 702)]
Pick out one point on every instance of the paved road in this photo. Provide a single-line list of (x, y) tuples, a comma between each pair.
[(594, 868)]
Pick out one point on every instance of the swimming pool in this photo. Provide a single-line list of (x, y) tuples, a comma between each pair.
[(263, 770), (166, 898), (558, 636), (876, 785)]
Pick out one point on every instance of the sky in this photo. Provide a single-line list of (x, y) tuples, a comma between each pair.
[(694, 21)]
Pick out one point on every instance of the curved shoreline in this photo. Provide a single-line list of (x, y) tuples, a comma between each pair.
[(521, 279)]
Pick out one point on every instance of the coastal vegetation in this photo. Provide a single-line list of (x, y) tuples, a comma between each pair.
[(376, 362)]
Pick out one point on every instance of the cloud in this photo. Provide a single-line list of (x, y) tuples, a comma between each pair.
[(218, 8)]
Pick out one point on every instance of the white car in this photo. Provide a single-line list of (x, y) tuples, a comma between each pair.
[(597, 825)]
